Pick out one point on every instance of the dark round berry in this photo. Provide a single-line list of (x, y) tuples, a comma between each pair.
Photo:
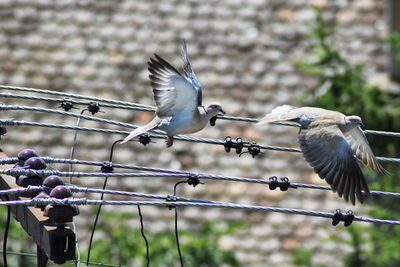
[(60, 192), (53, 181), (26, 154), (35, 163)]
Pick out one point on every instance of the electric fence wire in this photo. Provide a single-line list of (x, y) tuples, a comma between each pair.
[(14, 122), (150, 172), (123, 104), (135, 106), (85, 201)]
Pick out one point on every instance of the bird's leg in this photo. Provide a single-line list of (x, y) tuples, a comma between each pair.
[(169, 141)]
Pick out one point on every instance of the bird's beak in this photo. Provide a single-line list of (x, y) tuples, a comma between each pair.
[(221, 112)]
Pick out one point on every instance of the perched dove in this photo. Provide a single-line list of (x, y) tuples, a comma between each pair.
[(331, 142), (178, 99)]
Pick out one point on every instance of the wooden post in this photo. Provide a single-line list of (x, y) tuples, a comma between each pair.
[(57, 242), (393, 12)]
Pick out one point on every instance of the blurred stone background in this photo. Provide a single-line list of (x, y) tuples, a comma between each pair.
[(244, 54)]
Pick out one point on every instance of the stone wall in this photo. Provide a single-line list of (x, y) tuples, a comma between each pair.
[(244, 54)]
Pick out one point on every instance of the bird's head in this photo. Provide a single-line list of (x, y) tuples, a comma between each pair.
[(214, 109), (353, 121)]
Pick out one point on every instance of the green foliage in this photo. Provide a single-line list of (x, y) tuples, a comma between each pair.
[(344, 87), (117, 243), (302, 256), (125, 245), (15, 234), (393, 40)]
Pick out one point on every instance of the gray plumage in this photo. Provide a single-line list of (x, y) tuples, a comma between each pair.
[(331, 142), (178, 99)]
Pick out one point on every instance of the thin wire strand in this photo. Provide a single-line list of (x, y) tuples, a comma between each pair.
[(7, 226), (76, 102), (13, 122), (159, 172), (144, 236), (135, 106), (65, 113), (70, 180), (57, 93), (84, 201), (101, 198)]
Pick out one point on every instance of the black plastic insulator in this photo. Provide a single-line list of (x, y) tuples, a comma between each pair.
[(228, 143), (254, 149), (107, 167), (93, 107), (67, 104), (273, 182), (284, 185), (170, 199), (193, 180), (239, 145), (347, 218), (144, 139)]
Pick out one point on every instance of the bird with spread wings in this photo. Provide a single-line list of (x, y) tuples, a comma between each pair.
[(178, 99), (331, 142)]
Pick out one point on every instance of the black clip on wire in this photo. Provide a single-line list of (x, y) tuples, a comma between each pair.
[(253, 150), (283, 183), (170, 199), (66, 104), (237, 144), (145, 139), (93, 107), (107, 167), (338, 216), (193, 179)]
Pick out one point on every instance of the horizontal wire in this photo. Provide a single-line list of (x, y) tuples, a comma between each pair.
[(59, 112), (159, 135), (173, 173), (17, 191), (57, 93), (126, 104), (80, 189), (135, 106), (85, 201)]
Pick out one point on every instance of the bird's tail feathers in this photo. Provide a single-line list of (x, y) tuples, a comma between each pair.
[(141, 130), (277, 114)]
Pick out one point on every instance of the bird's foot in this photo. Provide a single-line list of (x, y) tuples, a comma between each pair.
[(169, 141)]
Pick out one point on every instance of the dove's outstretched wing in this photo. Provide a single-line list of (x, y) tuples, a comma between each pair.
[(327, 151), (189, 74), (360, 147), (172, 91)]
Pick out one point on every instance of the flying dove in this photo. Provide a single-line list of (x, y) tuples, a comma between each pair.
[(178, 99), (331, 142)]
